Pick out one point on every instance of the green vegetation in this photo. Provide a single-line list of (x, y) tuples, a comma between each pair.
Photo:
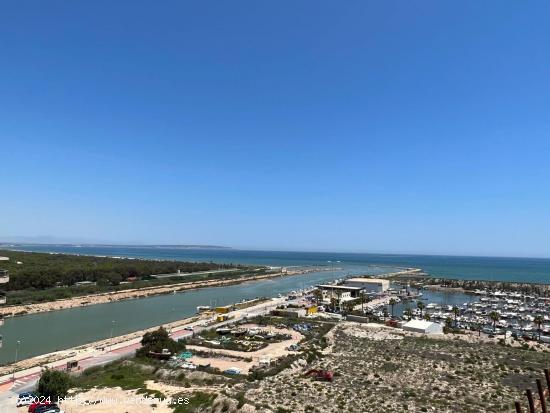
[(41, 271), (197, 402), (156, 341), (54, 384), (125, 374), (47, 277)]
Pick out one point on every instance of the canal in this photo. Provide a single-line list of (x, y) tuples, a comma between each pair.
[(57, 330)]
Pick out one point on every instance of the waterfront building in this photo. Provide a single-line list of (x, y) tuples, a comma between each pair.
[(340, 293), (368, 284), (423, 326)]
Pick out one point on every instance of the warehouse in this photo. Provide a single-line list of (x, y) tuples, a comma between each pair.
[(423, 326), (369, 284)]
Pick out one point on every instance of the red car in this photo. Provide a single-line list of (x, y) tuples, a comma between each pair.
[(34, 405)]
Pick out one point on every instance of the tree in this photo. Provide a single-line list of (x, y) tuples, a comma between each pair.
[(427, 317), (318, 294), (333, 302), (54, 384), (385, 313), (393, 301), (363, 300), (477, 327), (156, 341), (456, 312), (349, 306), (538, 321), (420, 305), (408, 313), (494, 316), (448, 322)]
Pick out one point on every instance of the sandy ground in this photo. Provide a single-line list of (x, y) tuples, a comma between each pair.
[(102, 298), (124, 295), (273, 351), (111, 400)]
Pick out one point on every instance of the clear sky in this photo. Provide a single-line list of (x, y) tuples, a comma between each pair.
[(375, 126)]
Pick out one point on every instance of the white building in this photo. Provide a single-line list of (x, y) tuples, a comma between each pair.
[(423, 326), (341, 293), (369, 284)]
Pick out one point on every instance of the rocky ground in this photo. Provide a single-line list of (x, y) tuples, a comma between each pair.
[(382, 370), (376, 369)]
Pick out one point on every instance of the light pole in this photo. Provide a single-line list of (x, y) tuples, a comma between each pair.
[(111, 337), (16, 355)]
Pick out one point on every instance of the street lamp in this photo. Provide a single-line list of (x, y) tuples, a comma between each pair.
[(16, 354), (111, 337)]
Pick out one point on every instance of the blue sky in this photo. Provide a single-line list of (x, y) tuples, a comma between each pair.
[(420, 127)]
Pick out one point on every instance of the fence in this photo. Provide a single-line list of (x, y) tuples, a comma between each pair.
[(543, 394)]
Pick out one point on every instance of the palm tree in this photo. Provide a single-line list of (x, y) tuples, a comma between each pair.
[(318, 294), (393, 301), (477, 327), (538, 321), (420, 305), (456, 312), (494, 316), (362, 295), (409, 313), (448, 322), (385, 315), (427, 317)]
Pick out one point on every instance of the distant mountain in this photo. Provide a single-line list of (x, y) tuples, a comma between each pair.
[(49, 240)]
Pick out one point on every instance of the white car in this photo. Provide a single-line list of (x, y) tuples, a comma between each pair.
[(233, 370), (25, 399), (188, 366)]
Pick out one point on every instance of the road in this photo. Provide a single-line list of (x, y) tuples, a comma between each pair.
[(26, 380)]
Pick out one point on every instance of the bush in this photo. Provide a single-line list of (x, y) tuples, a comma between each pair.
[(54, 384), (156, 341)]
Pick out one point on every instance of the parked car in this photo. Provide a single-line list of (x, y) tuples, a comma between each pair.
[(189, 328), (25, 399), (52, 407), (33, 406), (232, 370), (188, 366)]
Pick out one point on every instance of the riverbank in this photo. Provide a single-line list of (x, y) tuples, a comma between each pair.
[(103, 351), (102, 298)]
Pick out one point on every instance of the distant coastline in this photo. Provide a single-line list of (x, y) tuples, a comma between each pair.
[(84, 245)]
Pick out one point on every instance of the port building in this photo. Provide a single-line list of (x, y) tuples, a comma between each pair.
[(378, 285), (423, 326)]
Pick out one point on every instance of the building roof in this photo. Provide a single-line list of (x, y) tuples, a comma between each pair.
[(368, 280), (419, 324), (339, 287)]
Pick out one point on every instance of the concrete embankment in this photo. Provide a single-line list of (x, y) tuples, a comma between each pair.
[(129, 294)]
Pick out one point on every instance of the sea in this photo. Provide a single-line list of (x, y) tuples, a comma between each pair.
[(530, 270), (35, 334)]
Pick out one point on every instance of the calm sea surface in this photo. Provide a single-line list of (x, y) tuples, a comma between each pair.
[(536, 270), (47, 332)]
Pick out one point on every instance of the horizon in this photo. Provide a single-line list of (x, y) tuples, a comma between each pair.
[(420, 129), (4, 243)]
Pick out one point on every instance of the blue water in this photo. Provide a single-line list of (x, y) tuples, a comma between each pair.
[(535, 270), (46, 332), (56, 330)]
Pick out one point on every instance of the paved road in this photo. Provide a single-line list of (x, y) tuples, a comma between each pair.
[(26, 380)]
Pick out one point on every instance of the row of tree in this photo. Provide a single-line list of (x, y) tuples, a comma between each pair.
[(42, 271)]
